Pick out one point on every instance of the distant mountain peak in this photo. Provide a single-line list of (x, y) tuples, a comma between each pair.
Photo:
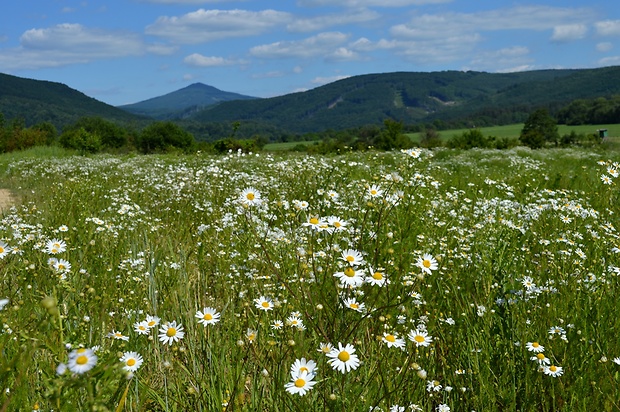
[(175, 104)]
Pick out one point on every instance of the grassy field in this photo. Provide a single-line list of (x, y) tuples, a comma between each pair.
[(424, 280), (509, 131)]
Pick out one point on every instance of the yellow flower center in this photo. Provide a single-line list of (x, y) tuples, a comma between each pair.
[(81, 350), (337, 224), (141, 327), (250, 196), (131, 362), (300, 383), (151, 324), (354, 306), (207, 316), (426, 263), (1, 249), (350, 258), (344, 356), (303, 369), (349, 272), (265, 304), (314, 221), (535, 344), (540, 356), (171, 332), (81, 360), (552, 368), (419, 338), (251, 336), (377, 276), (390, 338), (373, 192)]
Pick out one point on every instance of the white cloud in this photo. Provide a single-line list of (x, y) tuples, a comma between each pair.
[(610, 61), (209, 25), (343, 54), (325, 21), (604, 47), (506, 60), (568, 32), (161, 49), (66, 44), (369, 3), (323, 44), (608, 27), (324, 80), (516, 18), (199, 60)]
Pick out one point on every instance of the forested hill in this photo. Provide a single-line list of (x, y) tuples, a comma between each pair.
[(414, 97), (37, 101)]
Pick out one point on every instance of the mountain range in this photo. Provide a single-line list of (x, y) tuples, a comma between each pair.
[(412, 97)]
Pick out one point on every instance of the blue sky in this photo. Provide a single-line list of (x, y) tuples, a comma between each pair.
[(125, 51)]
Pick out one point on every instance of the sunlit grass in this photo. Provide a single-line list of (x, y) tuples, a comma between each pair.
[(465, 260)]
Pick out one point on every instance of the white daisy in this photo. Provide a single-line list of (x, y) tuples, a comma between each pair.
[(344, 358), (352, 257), (208, 316), (171, 332), (300, 384), (535, 347), (81, 360), (131, 361), (250, 197), (420, 337), (427, 263), (351, 277)]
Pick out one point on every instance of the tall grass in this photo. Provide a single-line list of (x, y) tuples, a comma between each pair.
[(484, 252)]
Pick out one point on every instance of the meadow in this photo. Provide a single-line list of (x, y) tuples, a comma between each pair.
[(418, 280)]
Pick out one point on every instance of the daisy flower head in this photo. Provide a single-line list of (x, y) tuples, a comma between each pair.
[(81, 360), (263, 303), (535, 347), (302, 365), (294, 320), (250, 197), (352, 303), (131, 361), (343, 358), (277, 324), (553, 371), (325, 348), (420, 337), (427, 263), (374, 191), (250, 335), (376, 278), (336, 223), (352, 257), (616, 361), (141, 328), (316, 223), (4, 249), (541, 359), (152, 321), (55, 246), (300, 384), (350, 277), (171, 332), (393, 341), (61, 265), (117, 335), (208, 316)]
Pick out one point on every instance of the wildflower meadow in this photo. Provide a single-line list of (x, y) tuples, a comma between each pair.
[(418, 280)]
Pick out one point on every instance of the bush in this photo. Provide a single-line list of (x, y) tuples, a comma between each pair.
[(470, 139), (163, 137), (80, 140)]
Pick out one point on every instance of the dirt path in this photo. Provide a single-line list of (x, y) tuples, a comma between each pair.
[(6, 200)]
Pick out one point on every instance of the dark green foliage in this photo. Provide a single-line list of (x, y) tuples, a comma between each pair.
[(110, 135), (49, 131), (81, 140), (539, 129), (470, 139), (594, 111), (430, 138), (391, 137), (164, 136)]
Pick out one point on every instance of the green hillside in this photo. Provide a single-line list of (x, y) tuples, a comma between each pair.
[(414, 97), (183, 102), (38, 101)]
